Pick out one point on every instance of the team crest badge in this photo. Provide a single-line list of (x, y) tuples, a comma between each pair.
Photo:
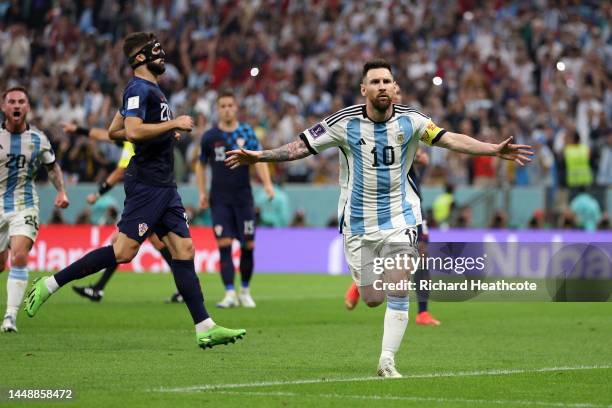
[(142, 229), (240, 142), (218, 230), (400, 138)]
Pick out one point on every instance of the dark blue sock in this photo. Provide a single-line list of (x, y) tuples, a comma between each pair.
[(165, 253), (227, 267), (93, 262), (246, 266), (188, 285), (422, 294), (106, 275)]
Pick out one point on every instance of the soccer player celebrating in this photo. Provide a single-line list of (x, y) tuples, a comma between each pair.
[(152, 202), (424, 317), (22, 149), (231, 200), (379, 209)]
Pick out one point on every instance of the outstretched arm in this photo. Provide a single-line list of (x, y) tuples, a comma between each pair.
[(291, 151), (57, 179), (461, 143)]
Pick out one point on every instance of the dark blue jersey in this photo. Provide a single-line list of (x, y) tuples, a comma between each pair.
[(153, 161), (228, 186)]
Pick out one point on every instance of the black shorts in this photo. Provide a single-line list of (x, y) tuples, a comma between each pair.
[(150, 209), (233, 221)]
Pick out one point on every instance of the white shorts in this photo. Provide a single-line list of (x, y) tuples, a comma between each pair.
[(361, 251), (24, 222)]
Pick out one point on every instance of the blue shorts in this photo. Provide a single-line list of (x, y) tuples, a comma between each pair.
[(150, 209), (233, 221)]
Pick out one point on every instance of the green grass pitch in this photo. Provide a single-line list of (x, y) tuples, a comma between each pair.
[(304, 349)]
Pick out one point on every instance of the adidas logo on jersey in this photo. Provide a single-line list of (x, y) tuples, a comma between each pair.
[(361, 142)]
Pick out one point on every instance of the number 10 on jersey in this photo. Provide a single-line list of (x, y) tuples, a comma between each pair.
[(388, 156)]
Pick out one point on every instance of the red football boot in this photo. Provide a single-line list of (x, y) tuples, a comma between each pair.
[(352, 297), (425, 318)]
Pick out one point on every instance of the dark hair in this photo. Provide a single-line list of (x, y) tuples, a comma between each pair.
[(373, 64), (135, 41), (225, 93), (16, 88)]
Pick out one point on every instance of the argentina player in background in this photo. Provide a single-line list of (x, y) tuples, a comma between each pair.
[(152, 203), (23, 148), (379, 209)]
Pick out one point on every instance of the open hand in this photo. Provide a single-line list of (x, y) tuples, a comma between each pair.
[(517, 153), (242, 157)]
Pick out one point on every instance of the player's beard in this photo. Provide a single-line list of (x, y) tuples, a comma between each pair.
[(156, 68), (381, 105)]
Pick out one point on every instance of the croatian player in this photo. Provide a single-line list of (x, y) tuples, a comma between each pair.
[(152, 202), (379, 209), (231, 199), (23, 148), (95, 292)]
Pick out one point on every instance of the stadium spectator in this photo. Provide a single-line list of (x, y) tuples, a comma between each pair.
[(275, 212), (443, 206), (587, 210), (500, 220), (537, 220), (299, 219), (604, 173)]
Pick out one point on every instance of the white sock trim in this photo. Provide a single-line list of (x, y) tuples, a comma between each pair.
[(204, 325), (51, 284)]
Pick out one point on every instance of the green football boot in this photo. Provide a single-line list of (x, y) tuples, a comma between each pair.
[(219, 335), (37, 295)]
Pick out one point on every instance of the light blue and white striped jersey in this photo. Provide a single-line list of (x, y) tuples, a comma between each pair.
[(20, 156), (376, 191)]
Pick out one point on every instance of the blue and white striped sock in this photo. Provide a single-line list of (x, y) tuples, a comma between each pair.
[(16, 285), (396, 321)]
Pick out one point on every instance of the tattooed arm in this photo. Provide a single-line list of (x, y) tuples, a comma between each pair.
[(57, 179), (291, 151)]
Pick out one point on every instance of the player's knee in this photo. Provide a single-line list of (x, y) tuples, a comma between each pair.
[(372, 298), (19, 257), (189, 251), (185, 250), (124, 253)]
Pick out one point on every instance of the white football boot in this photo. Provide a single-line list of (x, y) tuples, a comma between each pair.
[(386, 368), (8, 324), (229, 300), (245, 299)]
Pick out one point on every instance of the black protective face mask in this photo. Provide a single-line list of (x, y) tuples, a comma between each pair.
[(152, 51)]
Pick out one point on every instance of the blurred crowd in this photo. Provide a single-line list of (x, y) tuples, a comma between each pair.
[(538, 70)]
